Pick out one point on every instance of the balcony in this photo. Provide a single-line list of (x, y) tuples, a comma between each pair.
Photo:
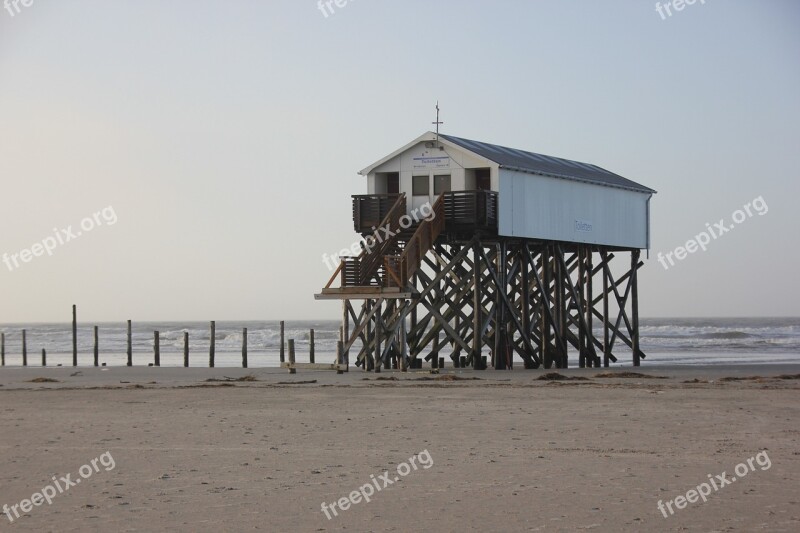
[(468, 211), (370, 209)]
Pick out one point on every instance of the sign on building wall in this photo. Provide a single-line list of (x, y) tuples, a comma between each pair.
[(425, 163)]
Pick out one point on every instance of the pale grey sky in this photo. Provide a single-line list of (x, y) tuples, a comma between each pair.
[(225, 138)]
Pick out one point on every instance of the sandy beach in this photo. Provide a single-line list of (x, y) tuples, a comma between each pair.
[(507, 451)]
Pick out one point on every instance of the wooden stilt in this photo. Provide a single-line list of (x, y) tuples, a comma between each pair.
[(606, 349), (588, 303), (635, 306), (378, 337), (581, 291), (547, 306), (477, 317), (530, 298), (346, 330)]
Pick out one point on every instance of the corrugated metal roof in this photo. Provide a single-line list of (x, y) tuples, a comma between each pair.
[(514, 159)]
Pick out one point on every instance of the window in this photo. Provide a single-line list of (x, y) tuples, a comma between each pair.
[(421, 186), (441, 184)]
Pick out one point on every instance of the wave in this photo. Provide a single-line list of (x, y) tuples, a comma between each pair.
[(728, 335)]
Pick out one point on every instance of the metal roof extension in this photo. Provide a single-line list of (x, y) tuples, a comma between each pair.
[(546, 165)]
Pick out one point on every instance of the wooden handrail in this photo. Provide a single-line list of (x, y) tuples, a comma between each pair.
[(419, 244), (368, 263)]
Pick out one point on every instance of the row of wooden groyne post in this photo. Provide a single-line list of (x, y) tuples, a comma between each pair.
[(341, 357)]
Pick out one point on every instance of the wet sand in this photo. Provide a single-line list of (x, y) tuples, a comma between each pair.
[(510, 452)]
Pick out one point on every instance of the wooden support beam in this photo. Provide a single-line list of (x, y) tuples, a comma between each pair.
[(582, 326), (635, 306), (477, 323), (505, 305)]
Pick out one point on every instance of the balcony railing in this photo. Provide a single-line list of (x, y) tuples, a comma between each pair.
[(370, 209), (470, 210)]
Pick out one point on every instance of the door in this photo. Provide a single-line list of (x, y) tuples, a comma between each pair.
[(393, 183)]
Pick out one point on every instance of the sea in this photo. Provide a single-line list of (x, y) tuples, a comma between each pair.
[(665, 341)]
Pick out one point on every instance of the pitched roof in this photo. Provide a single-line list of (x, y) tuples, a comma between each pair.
[(546, 165)]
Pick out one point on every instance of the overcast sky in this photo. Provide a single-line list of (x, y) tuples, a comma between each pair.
[(223, 139)]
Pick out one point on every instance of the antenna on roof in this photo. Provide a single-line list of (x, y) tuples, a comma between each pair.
[(437, 123)]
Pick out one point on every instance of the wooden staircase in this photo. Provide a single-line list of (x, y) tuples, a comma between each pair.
[(400, 268), (393, 260), (366, 269)]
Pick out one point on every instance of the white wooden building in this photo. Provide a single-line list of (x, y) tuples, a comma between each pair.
[(539, 196)]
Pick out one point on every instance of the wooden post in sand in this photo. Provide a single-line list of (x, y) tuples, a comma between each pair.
[(291, 356), (346, 330), (186, 349), (211, 346), (311, 347), (24, 349), (2, 349), (74, 335), (244, 347), (156, 349), (282, 343), (339, 356), (44, 357), (130, 345), (96, 347)]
